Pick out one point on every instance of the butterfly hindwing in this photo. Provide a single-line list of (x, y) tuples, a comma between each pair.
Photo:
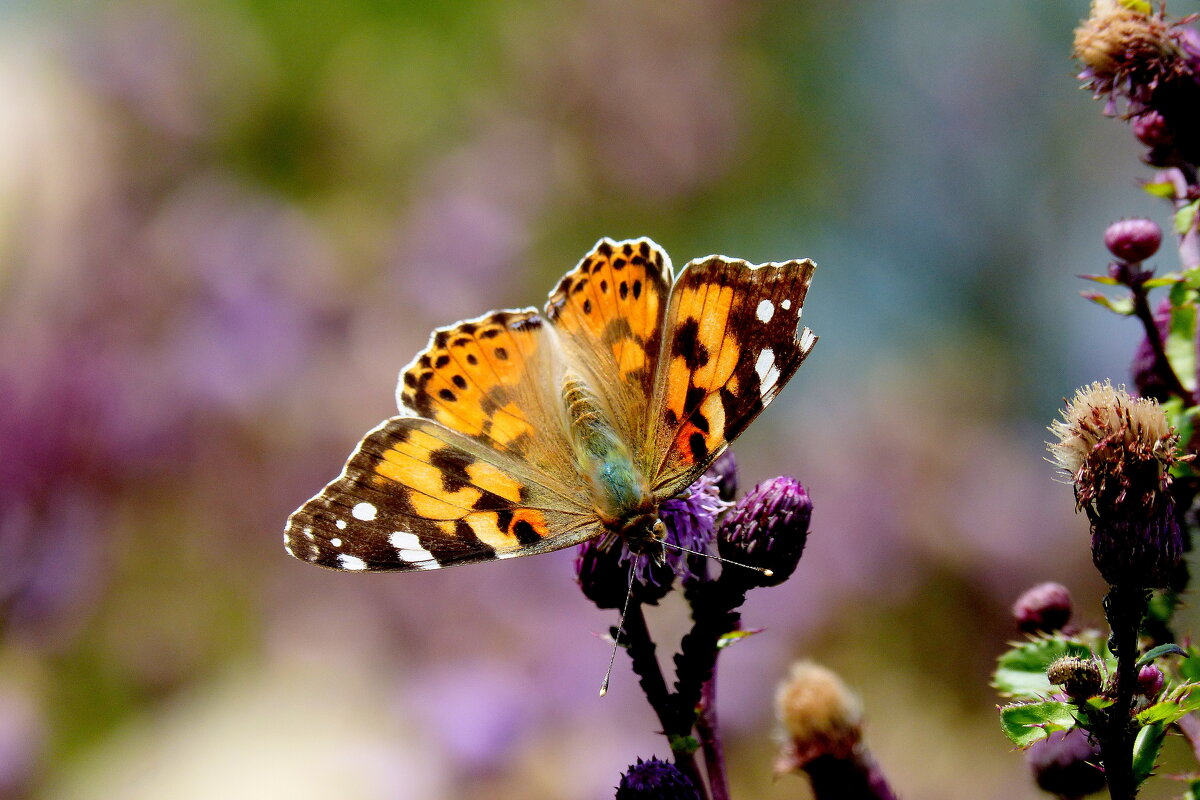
[(415, 495), (733, 339), (608, 313)]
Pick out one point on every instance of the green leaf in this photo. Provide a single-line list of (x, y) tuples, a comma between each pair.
[(1163, 604), (1106, 280), (1169, 279), (1117, 305), (1159, 652), (1021, 672), (1185, 218), (1164, 189), (1026, 724), (1191, 277), (1189, 668), (1145, 750), (733, 637), (1178, 703), (1193, 791), (1181, 344)]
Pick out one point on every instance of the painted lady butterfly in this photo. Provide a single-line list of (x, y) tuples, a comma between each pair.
[(523, 431)]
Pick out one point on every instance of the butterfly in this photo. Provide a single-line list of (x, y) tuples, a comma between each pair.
[(525, 431)]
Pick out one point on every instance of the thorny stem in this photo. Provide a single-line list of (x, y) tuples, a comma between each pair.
[(1125, 608), (710, 740), (1162, 367), (650, 677), (713, 612)]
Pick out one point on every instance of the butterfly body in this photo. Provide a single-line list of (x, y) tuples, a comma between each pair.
[(525, 431)]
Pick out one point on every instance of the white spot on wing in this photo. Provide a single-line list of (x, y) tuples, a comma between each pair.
[(807, 340), (336, 542), (341, 524), (786, 305), (350, 562), (768, 373), (408, 547), (364, 511), (766, 310)]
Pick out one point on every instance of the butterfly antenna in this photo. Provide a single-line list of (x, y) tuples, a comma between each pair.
[(620, 626), (763, 570)]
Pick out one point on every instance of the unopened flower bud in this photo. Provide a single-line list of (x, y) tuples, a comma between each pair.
[(1079, 677), (1151, 129), (822, 737), (819, 714), (1133, 240), (1064, 764), (655, 780), (1042, 609), (1150, 681), (768, 528)]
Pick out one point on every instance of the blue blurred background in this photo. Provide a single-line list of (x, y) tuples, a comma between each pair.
[(225, 226)]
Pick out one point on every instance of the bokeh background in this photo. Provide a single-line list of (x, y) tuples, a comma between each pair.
[(225, 226)]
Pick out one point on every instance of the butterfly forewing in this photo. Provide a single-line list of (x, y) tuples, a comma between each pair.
[(497, 379), (608, 312), (733, 339), (415, 495)]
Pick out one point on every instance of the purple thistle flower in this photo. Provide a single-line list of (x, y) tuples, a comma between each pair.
[(655, 780), (691, 521), (724, 472), (768, 528)]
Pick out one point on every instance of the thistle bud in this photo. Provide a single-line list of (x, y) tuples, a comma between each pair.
[(1079, 677), (1133, 240), (1043, 609), (1150, 681), (821, 722), (820, 716), (655, 780), (768, 528), (1064, 764)]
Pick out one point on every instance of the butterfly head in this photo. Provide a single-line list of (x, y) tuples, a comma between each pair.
[(643, 533)]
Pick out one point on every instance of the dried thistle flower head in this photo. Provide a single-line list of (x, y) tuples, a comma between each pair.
[(819, 714), (1116, 41), (1116, 449)]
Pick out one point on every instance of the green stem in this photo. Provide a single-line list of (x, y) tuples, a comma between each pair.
[(1125, 608)]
